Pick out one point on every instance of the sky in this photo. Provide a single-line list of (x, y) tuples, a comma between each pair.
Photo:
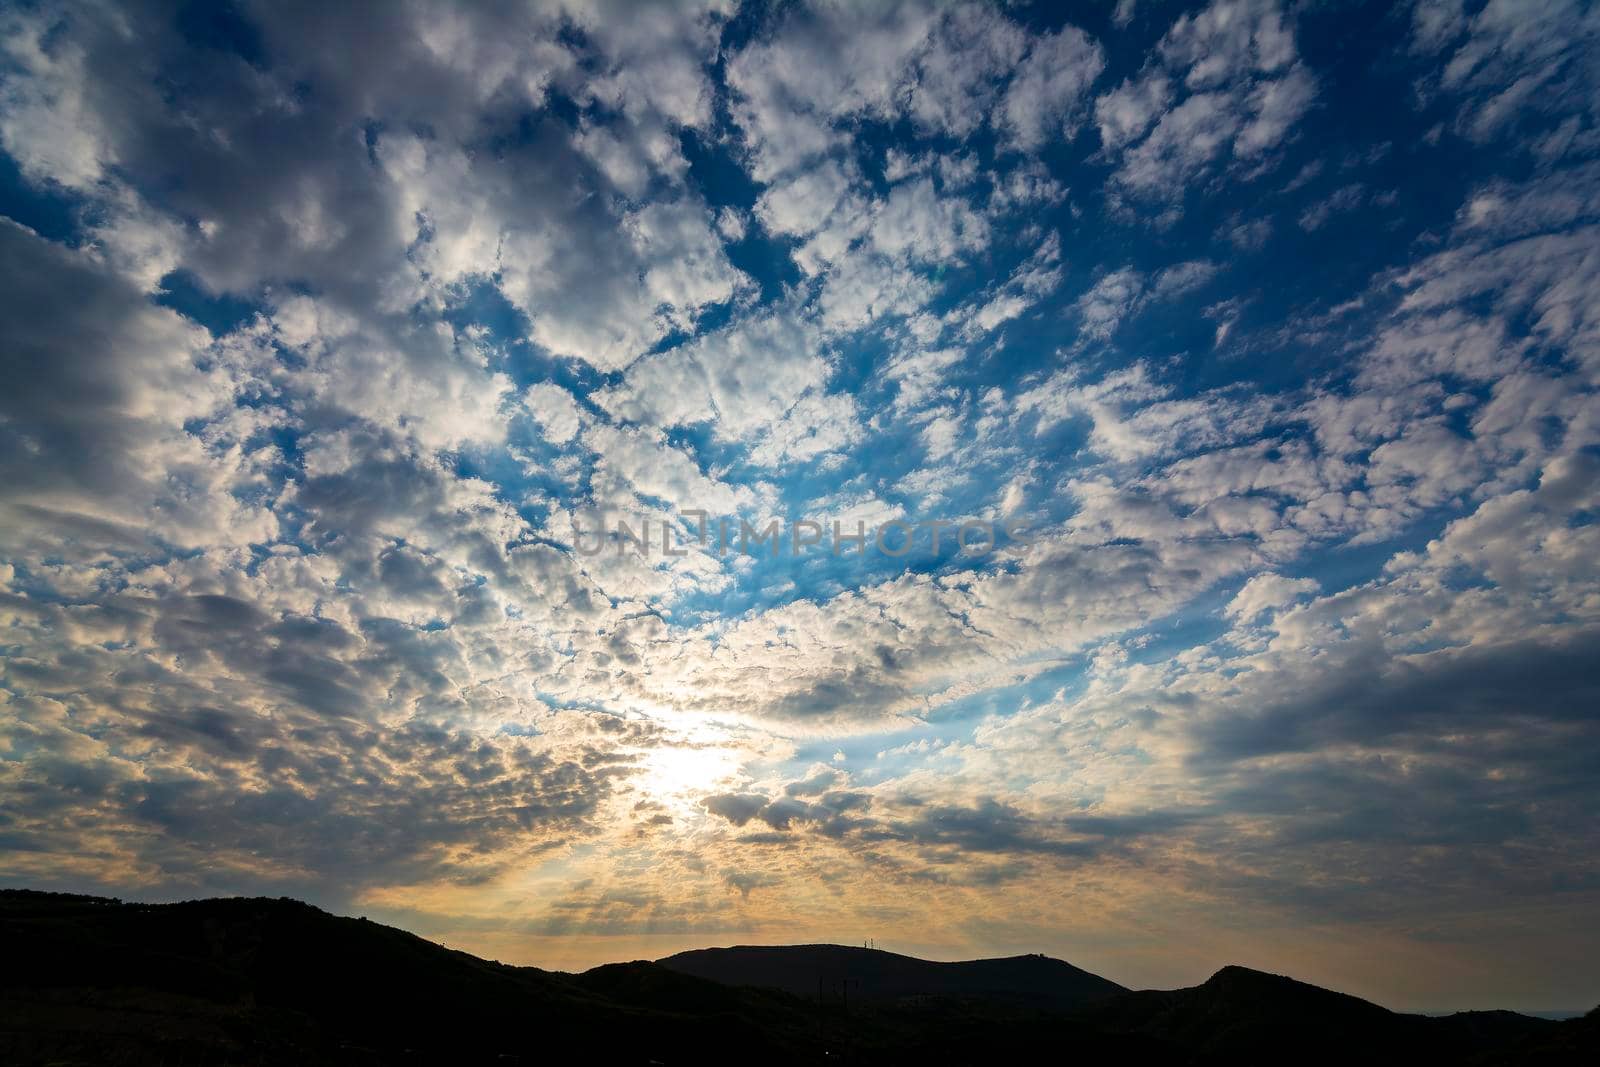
[(1241, 357)]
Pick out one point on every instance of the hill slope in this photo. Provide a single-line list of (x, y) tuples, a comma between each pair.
[(89, 980), (254, 980), (866, 975), (1244, 1016)]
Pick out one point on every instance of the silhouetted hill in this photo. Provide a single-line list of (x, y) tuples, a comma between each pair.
[(1570, 1041), (90, 980), (865, 975), (1245, 1016)]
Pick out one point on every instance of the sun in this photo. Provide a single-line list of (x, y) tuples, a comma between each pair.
[(679, 775)]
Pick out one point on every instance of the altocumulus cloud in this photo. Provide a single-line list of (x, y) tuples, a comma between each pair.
[(329, 330)]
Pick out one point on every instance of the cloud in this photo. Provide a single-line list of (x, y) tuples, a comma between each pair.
[(760, 380), (555, 411), (919, 224), (971, 50), (1267, 592), (1120, 294), (325, 361), (1513, 67), (101, 454), (1109, 301), (1181, 278), (1045, 98), (1345, 198), (1125, 113), (1245, 86)]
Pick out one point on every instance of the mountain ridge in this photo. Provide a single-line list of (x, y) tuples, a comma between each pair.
[(275, 980), (870, 974)]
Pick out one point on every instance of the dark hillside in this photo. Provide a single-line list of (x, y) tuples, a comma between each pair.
[(872, 975), (89, 980)]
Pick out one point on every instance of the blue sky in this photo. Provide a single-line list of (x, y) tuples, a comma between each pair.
[(1270, 328)]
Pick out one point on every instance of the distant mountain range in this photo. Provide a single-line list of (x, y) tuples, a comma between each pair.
[(90, 980)]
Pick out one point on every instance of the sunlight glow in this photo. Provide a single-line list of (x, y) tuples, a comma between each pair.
[(678, 776)]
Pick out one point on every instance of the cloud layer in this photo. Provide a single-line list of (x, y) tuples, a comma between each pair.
[(1271, 333)]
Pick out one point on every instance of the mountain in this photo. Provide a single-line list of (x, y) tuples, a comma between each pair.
[(839, 972), (93, 980), (1244, 1016)]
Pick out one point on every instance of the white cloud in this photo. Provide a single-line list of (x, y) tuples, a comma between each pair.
[(1267, 592), (350, 516), (731, 224), (740, 378), (46, 123), (1109, 301), (802, 204), (971, 50), (1345, 198), (555, 411), (1121, 293), (1046, 98), (1181, 278), (917, 223), (1519, 64), (642, 462), (1237, 60), (120, 453), (1125, 113)]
